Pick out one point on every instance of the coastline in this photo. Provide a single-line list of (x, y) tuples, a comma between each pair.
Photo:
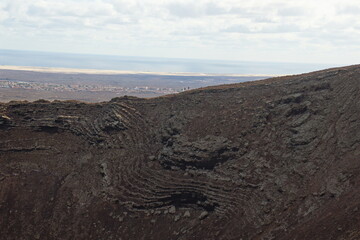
[(122, 72)]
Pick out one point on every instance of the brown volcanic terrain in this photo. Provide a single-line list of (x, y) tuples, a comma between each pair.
[(272, 159)]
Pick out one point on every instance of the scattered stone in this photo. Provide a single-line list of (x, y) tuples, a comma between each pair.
[(177, 218), (4, 120), (5, 117), (172, 209), (152, 158), (203, 215), (187, 214)]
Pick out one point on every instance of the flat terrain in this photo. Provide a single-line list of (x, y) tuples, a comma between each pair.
[(32, 83)]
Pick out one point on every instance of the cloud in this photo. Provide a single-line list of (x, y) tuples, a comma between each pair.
[(212, 8), (281, 28), (195, 10), (184, 10), (133, 27), (264, 29), (291, 11), (349, 10), (237, 29)]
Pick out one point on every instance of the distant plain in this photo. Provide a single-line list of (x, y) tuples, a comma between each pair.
[(26, 75), (95, 86)]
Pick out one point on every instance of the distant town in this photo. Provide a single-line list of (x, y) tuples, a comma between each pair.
[(86, 87), (93, 86)]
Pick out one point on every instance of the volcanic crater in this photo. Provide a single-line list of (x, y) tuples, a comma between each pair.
[(271, 159)]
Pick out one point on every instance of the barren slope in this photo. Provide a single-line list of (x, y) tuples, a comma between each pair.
[(272, 159)]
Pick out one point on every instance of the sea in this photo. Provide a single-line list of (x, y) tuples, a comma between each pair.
[(152, 64)]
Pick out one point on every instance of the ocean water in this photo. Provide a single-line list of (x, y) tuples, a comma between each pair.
[(106, 62)]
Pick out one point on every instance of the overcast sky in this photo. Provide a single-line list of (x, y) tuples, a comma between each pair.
[(308, 31)]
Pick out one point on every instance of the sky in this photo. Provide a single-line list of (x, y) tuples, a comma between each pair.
[(306, 31)]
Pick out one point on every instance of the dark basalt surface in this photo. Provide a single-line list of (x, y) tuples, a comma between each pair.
[(271, 159)]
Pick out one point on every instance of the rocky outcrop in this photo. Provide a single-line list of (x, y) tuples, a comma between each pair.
[(271, 159), (205, 153)]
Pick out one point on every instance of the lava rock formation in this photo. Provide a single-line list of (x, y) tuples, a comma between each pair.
[(271, 159)]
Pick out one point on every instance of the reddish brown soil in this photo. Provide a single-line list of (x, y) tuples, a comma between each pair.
[(272, 159)]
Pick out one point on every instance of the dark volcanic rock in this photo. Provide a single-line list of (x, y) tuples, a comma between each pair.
[(205, 153), (272, 159)]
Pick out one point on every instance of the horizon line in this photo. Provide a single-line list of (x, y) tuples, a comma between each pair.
[(124, 72)]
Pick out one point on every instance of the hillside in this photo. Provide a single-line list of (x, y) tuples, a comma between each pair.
[(270, 159)]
